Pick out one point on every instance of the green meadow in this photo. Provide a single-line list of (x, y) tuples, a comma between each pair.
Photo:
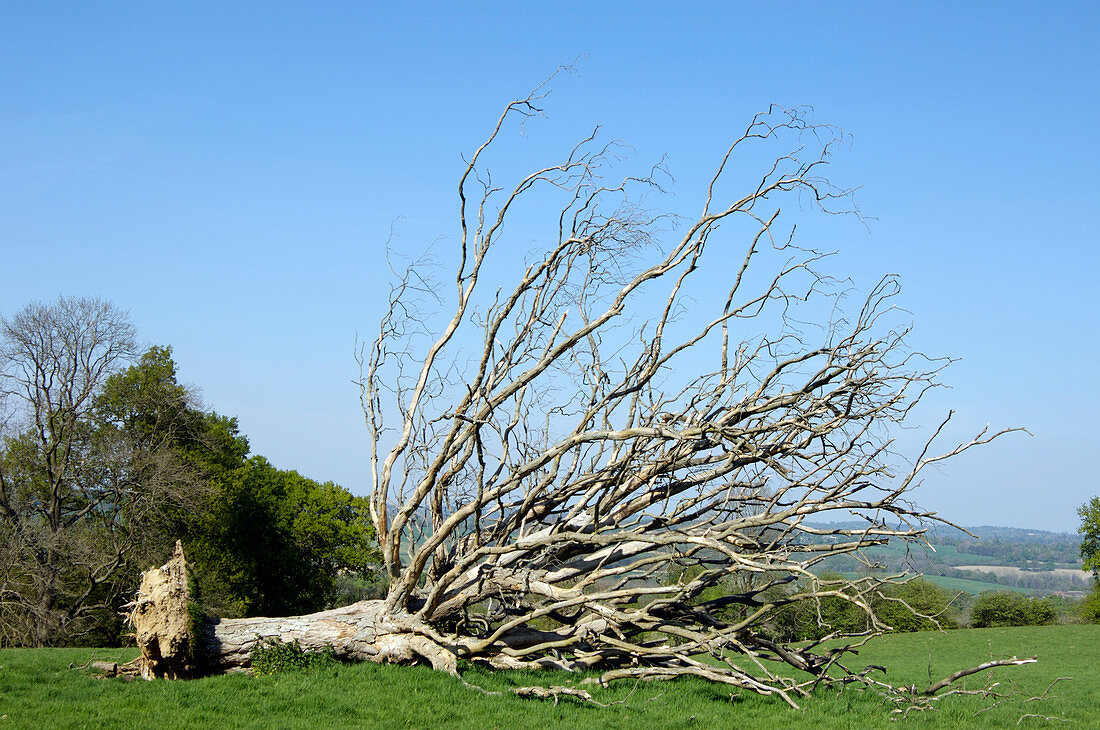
[(38, 688)]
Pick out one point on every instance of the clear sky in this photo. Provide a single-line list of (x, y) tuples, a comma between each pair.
[(229, 172)]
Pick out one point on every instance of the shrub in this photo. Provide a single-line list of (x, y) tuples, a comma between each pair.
[(925, 598), (1007, 608), (1039, 612), (904, 607), (273, 656), (1090, 609), (352, 587)]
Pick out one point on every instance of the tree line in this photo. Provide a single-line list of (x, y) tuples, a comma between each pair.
[(106, 459), (1036, 555)]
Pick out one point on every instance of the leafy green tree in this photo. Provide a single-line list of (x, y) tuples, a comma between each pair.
[(1090, 551), (1090, 534), (916, 605), (106, 460), (816, 618), (1008, 608), (1040, 612), (1090, 609), (73, 497), (262, 540), (147, 406), (273, 541), (147, 402)]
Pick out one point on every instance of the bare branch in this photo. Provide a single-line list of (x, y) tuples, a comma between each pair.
[(947, 681)]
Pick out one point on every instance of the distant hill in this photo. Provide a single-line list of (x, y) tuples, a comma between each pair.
[(984, 531), (989, 557)]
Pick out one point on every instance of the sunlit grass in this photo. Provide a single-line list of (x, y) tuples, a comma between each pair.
[(38, 689)]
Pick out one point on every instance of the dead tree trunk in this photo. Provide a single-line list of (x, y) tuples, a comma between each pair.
[(173, 645), (161, 620)]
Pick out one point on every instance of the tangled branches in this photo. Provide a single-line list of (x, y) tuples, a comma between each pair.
[(614, 476)]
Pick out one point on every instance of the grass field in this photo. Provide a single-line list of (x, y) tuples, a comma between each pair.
[(38, 689), (974, 587), (965, 585)]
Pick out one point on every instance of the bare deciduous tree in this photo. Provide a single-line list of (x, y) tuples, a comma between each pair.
[(74, 495), (615, 477)]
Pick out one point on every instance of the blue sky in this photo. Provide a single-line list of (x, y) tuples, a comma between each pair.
[(229, 172)]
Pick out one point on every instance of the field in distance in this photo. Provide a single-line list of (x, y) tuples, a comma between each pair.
[(993, 558)]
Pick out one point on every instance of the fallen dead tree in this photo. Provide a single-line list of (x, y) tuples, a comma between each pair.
[(598, 464), (173, 646)]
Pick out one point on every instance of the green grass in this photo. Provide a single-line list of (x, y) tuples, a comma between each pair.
[(950, 555), (974, 587), (38, 689)]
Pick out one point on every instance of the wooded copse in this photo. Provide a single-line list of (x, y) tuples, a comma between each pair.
[(569, 459), (106, 460)]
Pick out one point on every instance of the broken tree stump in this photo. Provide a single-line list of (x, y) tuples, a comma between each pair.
[(161, 619)]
